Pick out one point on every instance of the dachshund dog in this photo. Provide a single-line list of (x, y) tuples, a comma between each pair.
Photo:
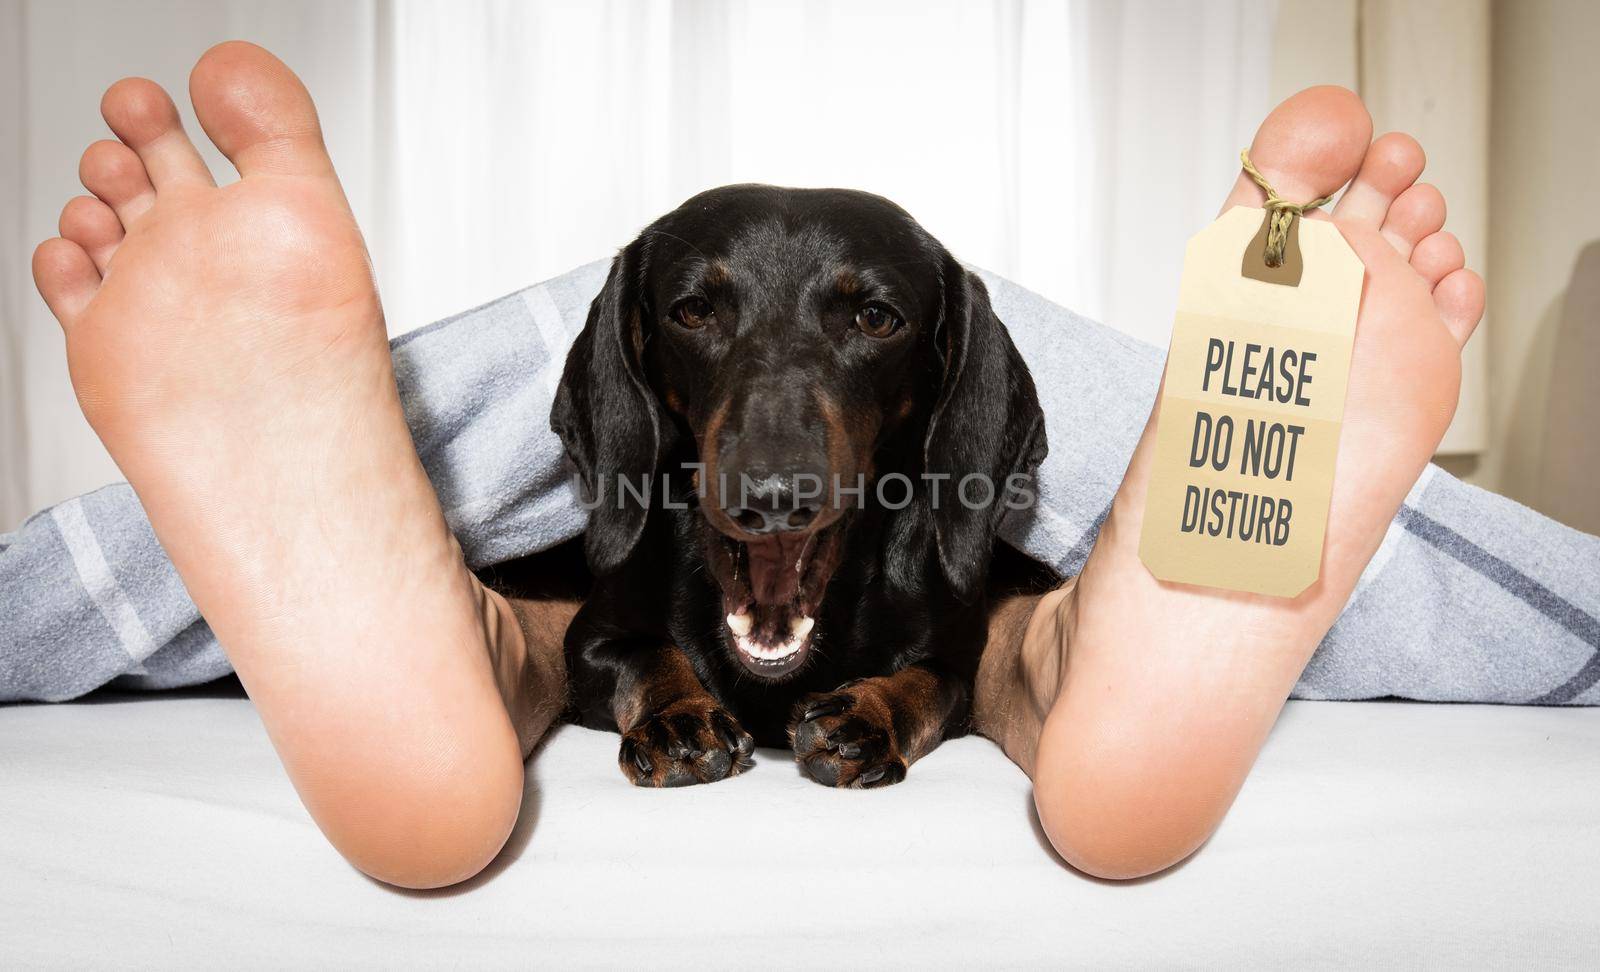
[(798, 422)]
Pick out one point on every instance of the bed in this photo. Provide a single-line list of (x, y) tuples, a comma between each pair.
[(159, 831)]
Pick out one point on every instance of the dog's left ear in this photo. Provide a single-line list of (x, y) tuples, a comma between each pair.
[(607, 416), (987, 423)]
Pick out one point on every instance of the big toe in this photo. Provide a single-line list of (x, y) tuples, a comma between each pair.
[(1307, 147), (257, 112)]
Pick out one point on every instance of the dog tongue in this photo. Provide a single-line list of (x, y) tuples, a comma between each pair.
[(773, 577)]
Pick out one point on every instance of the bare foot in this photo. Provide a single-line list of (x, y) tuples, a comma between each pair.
[(229, 348), (1138, 707)]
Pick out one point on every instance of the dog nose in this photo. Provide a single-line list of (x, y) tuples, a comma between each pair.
[(775, 503)]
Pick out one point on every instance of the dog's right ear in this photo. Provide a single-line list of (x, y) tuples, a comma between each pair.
[(607, 415)]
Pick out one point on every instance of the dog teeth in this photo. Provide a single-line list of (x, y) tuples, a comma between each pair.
[(768, 652), (799, 628)]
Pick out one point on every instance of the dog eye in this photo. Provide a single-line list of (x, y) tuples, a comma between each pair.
[(877, 321), (693, 312)]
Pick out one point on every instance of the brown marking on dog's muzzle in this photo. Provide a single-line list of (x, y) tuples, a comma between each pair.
[(848, 457), (709, 472), (850, 441)]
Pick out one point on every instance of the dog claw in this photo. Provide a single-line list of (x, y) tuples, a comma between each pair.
[(741, 745), (736, 739), (832, 705), (640, 759)]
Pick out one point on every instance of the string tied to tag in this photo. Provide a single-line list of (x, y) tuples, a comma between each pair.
[(1281, 211)]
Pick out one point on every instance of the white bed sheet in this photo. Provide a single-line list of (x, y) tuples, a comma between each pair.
[(161, 832)]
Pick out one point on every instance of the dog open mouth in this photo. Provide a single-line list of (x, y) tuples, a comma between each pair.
[(772, 588)]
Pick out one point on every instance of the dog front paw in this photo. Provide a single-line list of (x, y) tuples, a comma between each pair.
[(692, 740), (847, 738)]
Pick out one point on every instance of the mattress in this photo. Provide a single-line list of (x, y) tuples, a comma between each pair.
[(142, 831)]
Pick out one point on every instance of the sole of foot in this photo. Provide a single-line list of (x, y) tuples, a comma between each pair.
[(1155, 697), (228, 346)]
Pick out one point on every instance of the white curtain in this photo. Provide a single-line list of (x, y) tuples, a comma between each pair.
[(1072, 146)]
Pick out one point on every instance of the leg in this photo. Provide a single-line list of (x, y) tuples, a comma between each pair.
[(530, 665), (228, 347), (1138, 707), (1472, 597)]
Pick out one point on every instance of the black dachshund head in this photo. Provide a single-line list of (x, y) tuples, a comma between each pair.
[(813, 352)]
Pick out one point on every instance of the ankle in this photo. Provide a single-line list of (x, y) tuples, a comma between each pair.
[(521, 674), (1020, 673), (524, 638)]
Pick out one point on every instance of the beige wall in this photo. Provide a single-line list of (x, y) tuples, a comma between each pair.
[(1504, 95), (1425, 69), (1422, 66), (1545, 207)]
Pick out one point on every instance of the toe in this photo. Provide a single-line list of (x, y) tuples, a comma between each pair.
[(713, 765), (732, 735), (92, 225), (1459, 298), (257, 112), (1438, 255), (1416, 213), (66, 278), (146, 120), (1308, 147), (1392, 164), (113, 172), (823, 767)]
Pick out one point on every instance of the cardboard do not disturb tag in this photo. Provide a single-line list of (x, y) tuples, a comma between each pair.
[(1251, 407)]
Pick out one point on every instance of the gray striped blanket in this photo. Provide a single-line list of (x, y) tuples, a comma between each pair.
[(1471, 597)]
